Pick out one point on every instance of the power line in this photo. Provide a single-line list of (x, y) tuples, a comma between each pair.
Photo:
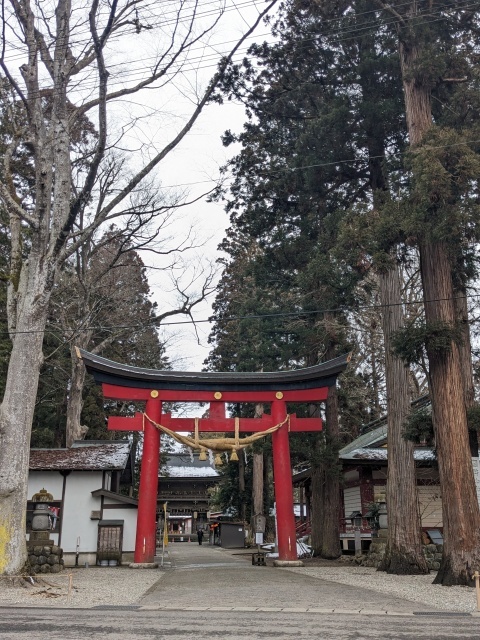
[(278, 172), (282, 314), (195, 15), (190, 63)]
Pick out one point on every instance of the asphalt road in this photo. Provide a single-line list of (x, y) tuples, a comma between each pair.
[(82, 624), (207, 593)]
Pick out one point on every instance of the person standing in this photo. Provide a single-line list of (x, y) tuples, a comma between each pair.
[(200, 536)]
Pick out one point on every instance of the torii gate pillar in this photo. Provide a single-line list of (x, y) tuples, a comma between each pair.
[(282, 475), (145, 542)]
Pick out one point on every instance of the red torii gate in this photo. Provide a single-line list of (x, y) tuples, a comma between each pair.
[(123, 382)]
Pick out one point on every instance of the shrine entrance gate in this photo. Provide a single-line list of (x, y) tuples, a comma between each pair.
[(154, 387)]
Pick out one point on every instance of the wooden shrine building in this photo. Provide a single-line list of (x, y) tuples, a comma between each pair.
[(123, 382)]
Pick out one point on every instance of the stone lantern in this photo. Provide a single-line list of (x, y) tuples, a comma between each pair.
[(43, 555), (41, 520)]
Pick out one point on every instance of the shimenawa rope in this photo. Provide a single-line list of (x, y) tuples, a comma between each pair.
[(218, 445)]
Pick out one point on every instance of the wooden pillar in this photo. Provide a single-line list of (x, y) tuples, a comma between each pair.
[(282, 474), (145, 542)]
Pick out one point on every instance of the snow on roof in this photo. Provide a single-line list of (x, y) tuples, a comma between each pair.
[(187, 464), (363, 453), (97, 456), (366, 440), (187, 459), (190, 472)]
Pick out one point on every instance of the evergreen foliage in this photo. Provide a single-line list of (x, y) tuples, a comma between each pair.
[(473, 418), (327, 192), (412, 342), (419, 427)]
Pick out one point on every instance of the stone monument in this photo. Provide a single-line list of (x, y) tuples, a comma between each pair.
[(44, 555)]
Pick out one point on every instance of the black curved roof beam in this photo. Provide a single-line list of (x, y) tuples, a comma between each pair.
[(110, 372)]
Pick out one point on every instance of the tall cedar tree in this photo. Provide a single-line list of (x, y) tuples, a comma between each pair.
[(437, 57), (414, 561), (288, 222), (373, 60), (284, 68)]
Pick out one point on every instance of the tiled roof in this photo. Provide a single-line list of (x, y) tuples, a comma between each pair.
[(377, 453), (184, 465), (99, 456), (370, 439)]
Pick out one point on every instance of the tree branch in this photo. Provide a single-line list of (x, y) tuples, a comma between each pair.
[(389, 9), (6, 71), (85, 193), (187, 127)]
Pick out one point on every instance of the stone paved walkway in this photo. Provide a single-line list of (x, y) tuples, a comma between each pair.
[(204, 577)]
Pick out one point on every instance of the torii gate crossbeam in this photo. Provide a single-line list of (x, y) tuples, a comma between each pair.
[(122, 382)]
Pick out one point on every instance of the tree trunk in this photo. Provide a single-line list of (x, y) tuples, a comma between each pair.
[(318, 491), (403, 554), (418, 102), (257, 475), (376, 409), (16, 413), (332, 497), (74, 430), (257, 484), (466, 365), (461, 514)]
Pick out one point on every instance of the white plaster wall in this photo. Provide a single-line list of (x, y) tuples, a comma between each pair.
[(79, 503), (70, 559), (129, 516), (52, 481)]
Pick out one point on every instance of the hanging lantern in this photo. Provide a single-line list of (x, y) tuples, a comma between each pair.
[(203, 454), (234, 456)]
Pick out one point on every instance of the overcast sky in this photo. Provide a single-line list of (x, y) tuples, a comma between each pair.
[(195, 163), (198, 160)]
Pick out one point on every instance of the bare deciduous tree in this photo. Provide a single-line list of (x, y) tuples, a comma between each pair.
[(69, 55), (97, 302)]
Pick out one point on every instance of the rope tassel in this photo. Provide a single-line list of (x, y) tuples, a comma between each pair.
[(233, 455)]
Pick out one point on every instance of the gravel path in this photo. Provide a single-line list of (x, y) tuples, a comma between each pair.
[(417, 589), (123, 586), (91, 587)]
